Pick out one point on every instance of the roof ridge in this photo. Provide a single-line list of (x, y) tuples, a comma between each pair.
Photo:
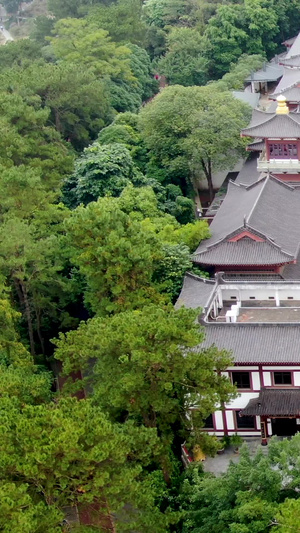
[(281, 183), (292, 118), (254, 230), (272, 242), (258, 197), (252, 185), (199, 278), (209, 246), (274, 95), (293, 84), (269, 239), (270, 116), (254, 325), (225, 238)]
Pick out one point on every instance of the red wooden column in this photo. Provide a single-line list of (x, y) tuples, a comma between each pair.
[(267, 147)]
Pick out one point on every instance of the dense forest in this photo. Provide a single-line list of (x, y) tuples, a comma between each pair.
[(111, 114)]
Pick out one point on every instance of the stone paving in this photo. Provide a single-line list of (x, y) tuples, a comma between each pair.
[(219, 464)]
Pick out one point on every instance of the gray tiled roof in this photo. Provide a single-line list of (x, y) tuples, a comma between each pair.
[(249, 173), (292, 95), (244, 252), (292, 271), (295, 48), (291, 62), (289, 42), (272, 106), (195, 291), (259, 117), (274, 402), (247, 97), (280, 126), (257, 145), (256, 208), (270, 72), (256, 343), (291, 76)]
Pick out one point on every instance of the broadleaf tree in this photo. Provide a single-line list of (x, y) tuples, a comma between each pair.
[(194, 131), (148, 366)]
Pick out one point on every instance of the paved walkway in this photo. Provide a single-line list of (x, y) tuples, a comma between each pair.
[(219, 464)]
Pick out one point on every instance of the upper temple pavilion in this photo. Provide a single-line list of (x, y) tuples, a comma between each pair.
[(277, 137)]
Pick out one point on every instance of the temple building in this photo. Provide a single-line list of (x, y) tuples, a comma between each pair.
[(261, 80), (277, 138), (283, 70), (289, 87), (251, 303), (258, 322), (248, 233)]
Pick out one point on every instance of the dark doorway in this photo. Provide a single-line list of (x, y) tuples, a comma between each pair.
[(284, 427)]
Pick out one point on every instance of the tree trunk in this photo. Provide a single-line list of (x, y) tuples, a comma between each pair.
[(38, 327), (208, 175), (29, 319), (23, 297), (57, 121)]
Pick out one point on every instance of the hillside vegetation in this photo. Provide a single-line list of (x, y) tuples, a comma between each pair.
[(99, 166)]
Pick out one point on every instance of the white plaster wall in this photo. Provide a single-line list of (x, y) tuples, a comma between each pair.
[(282, 368), (230, 421), (227, 293), (255, 380), (269, 423), (245, 433), (240, 368), (242, 400), (291, 292), (219, 420), (267, 379), (260, 292), (297, 378)]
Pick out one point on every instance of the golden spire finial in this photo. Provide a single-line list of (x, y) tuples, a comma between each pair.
[(282, 108)]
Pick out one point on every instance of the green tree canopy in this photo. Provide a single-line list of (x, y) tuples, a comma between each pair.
[(124, 130), (42, 29), (68, 454), (241, 501), (99, 171), (235, 78), (116, 253), (287, 517), (184, 62), (84, 43), (72, 97), (19, 53), (149, 366), (34, 258), (256, 494), (129, 94), (248, 27), (122, 19), (70, 8), (194, 131), (162, 13), (11, 349), (26, 138), (12, 6), (20, 513), (117, 244)]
